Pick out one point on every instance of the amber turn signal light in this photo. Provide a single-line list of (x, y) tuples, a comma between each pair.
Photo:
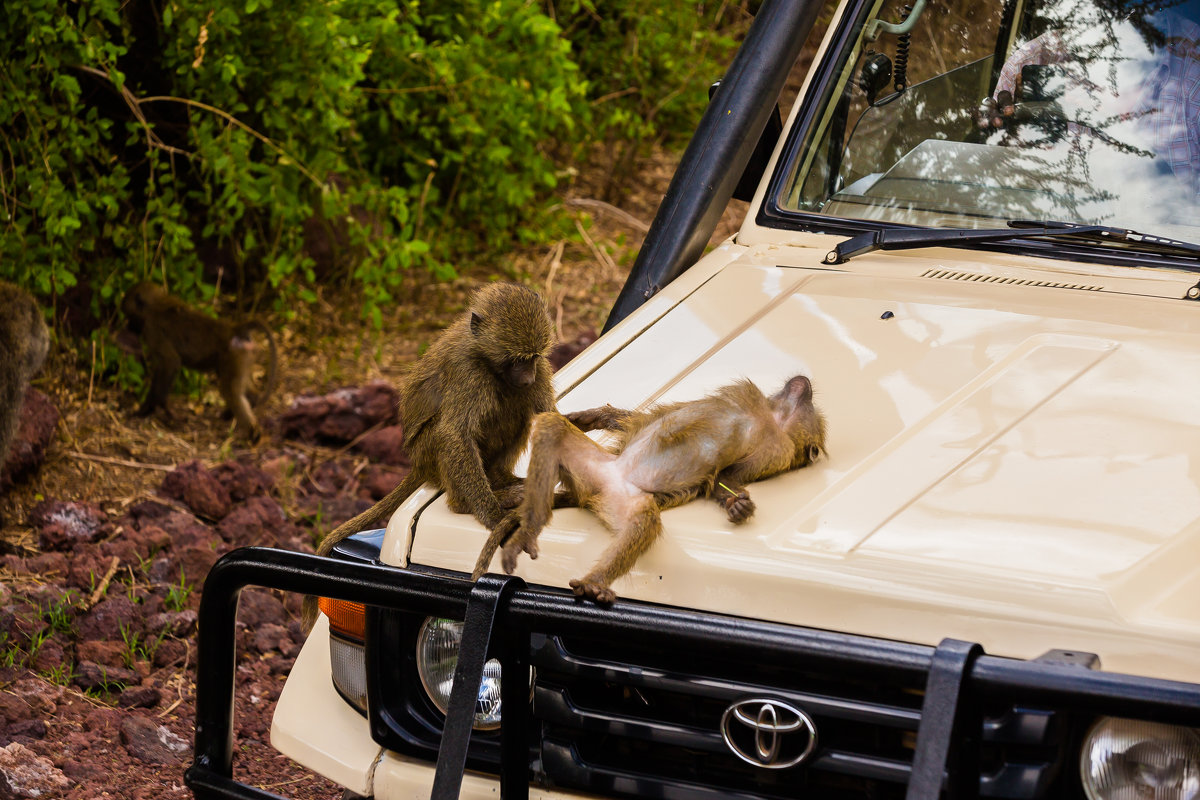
[(345, 618)]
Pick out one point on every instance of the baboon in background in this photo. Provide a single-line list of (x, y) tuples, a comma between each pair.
[(663, 457), (174, 334), (466, 409), (24, 342)]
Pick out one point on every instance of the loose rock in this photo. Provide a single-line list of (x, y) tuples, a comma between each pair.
[(327, 513), (172, 652), (341, 415), (271, 637), (139, 697), (87, 569), (377, 481), (257, 608), (187, 531), (14, 709), (66, 525), (241, 480), (39, 418), (172, 623), (160, 571), (330, 478), (385, 446), (194, 562), (260, 521), (23, 773), (102, 720), (48, 564), (82, 771), (197, 488), (51, 657), (90, 675), (26, 623), (147, 540), (108, 654), (279, 465), (113, 618), (152, 743), (28, 729), (41, 696)]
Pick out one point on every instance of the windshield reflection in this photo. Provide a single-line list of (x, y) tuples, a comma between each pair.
[(1076, 110)]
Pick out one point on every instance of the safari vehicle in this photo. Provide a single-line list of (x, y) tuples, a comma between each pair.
[(989, 587)]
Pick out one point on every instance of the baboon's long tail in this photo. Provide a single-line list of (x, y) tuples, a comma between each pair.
[(373, 516), (272, 378)]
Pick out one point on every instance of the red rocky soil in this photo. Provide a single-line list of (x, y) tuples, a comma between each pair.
[(98, 597)]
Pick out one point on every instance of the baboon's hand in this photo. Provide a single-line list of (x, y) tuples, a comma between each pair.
[(510, 496), (592, 590), (519, 543), (523, 541), (739, 507), (605, 417), (508, 556), (508, 535), (498, 536)]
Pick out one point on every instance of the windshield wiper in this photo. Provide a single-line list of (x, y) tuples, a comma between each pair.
[(912, 238)]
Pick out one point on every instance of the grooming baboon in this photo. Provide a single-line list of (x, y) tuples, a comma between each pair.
[(24, 342), (663, 458), (466, 409), (174, 334)]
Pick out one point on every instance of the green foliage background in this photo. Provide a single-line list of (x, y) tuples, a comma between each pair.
[(270, 146)]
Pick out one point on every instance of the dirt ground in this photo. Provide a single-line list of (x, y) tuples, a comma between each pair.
[(97, 650)]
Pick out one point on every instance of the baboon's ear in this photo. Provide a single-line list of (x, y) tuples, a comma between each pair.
[(814, 453), (476, 323)]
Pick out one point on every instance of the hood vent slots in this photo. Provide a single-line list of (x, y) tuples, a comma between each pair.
[(955, 275)]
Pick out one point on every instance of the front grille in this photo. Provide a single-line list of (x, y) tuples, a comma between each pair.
[(630, 720), (638, 722), (630, 703), (653, 676)]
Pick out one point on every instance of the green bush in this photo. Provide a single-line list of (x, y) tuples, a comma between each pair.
[(265, 147), (648, 67)]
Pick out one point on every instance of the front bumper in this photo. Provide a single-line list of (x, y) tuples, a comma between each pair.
[(501, 615)]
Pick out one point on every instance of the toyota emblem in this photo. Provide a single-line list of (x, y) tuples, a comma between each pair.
[(770, 734)]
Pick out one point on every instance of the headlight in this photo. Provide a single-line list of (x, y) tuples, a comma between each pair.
[(437, 656), (1124, 759)]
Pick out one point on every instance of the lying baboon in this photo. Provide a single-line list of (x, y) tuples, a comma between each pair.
[(24, 342), (663, 458), (466, 409), (174, 334)]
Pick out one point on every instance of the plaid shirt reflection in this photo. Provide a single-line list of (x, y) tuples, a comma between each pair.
[(1169, 101)]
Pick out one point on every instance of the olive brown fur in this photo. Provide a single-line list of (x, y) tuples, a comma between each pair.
[(662, 457), (24, 342), (176, 335), (466, 409)]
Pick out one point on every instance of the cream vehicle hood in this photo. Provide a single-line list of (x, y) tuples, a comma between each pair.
[(1009, 461)]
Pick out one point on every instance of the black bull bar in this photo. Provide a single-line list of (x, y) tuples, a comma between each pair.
[(500, 612)]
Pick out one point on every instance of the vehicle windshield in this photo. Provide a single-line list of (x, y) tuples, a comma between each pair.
[(1083, 111)]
